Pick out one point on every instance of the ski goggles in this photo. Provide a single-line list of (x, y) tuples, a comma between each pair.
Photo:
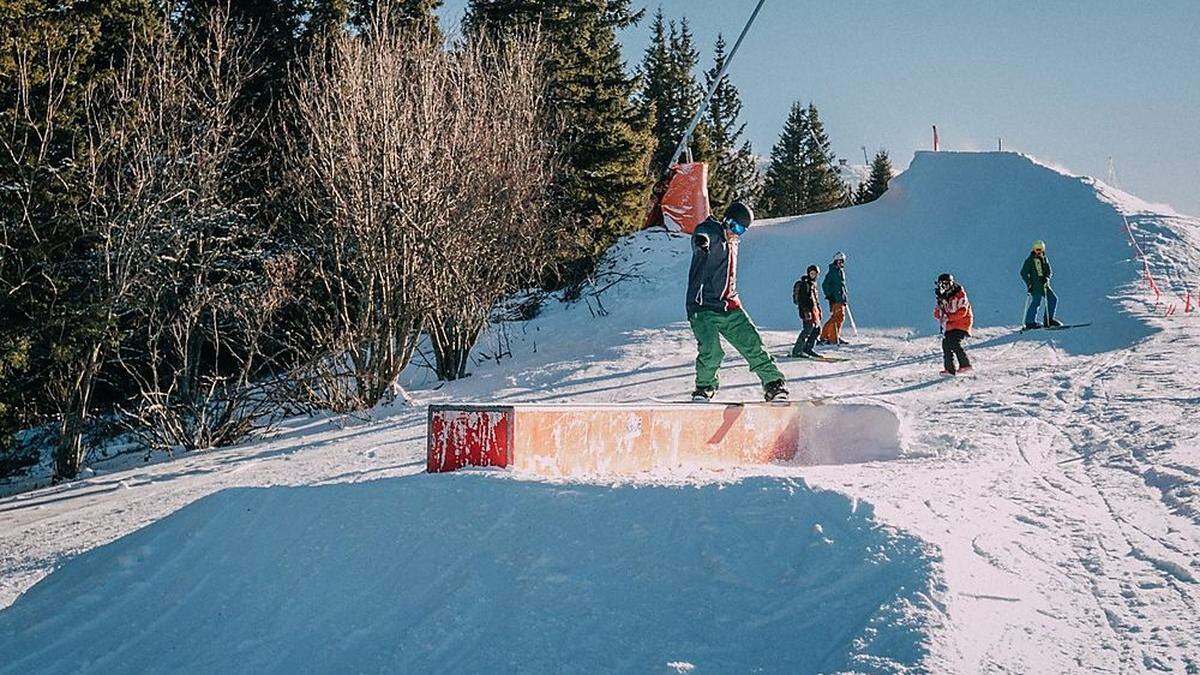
[(735, 227)]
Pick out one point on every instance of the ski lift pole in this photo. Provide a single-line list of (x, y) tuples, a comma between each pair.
[(683, 142)]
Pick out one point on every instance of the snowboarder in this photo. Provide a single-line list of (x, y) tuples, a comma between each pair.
[(714, 309), (804, 296), (1036, 274), (834, 288), (953, 312)]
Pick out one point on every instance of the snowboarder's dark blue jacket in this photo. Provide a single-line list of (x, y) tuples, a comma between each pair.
[(712, 277)]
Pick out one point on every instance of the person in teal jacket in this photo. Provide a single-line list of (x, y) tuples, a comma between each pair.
[(1036, 273), (834, 288)]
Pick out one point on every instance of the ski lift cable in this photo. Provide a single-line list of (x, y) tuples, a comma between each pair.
[(683, 142)]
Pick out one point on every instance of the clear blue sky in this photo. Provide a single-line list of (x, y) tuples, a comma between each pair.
[(1071, 82)]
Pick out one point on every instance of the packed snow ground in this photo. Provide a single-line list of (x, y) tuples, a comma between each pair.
[(385, 576), (1044, 515)]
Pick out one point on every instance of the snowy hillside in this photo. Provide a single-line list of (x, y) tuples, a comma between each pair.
[(1043, 516)]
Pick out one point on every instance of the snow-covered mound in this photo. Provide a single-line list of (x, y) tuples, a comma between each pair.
[(971, 214), (474, 574)]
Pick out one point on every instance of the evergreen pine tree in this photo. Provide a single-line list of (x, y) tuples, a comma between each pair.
[(860, 193), (669, 86), (655, 74), (824, 189), (277, 28), (732, 174), (877, 182), (689, 93), (421, 12), (604, 181), (784, 187)]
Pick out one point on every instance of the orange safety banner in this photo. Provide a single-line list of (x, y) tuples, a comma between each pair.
[(685, 203)]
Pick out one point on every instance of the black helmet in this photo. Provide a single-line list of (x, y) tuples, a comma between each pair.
[(740, 214), (813, 268), (944, 280)]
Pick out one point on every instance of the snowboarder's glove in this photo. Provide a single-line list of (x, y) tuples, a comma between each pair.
[(702, 242)]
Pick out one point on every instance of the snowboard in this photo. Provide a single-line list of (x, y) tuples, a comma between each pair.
[(687, 398), (824, 359), (1062, 327)]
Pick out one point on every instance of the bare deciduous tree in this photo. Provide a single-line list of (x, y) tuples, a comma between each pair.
[(164, 280), (36, 199), (206, 284), (424, 173), (498, 229)]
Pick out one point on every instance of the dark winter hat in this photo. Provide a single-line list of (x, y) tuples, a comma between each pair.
[(814, 268), (740, 214)]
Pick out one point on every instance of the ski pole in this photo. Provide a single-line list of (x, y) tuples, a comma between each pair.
[(1025, 308), (850, 315)]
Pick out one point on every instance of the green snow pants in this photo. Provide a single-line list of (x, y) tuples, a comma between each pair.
[(709, 326)]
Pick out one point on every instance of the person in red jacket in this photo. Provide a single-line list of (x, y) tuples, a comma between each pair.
[(953, 312)]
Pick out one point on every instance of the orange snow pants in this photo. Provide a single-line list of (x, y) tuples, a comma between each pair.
[(832, 330)]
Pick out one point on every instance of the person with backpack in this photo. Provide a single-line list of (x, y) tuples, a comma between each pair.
[(1036, 273), (834, 288), (715, 311), (804, 296), (953, 311)]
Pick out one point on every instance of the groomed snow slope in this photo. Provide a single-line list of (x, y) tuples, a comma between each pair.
[(472, 574), (1059, 490)]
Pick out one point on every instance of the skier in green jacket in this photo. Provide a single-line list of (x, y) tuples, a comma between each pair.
[(715, 311), (1036, 273)]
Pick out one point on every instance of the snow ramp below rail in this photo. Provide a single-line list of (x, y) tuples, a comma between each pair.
[(470, 572)]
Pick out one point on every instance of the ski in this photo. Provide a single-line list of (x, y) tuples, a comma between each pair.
[(1062, 327), (826, 359)]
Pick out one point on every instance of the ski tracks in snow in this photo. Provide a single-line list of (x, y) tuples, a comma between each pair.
[(1063, 504), (1111, 536)]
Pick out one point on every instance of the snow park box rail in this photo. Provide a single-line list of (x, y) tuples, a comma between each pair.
[(623, 439)]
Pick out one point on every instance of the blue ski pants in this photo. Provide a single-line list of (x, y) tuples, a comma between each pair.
[(1035, 303)]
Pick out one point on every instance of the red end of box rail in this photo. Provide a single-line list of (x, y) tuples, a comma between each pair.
[(460, 436)]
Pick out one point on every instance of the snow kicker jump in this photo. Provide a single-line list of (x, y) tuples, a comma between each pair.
[(588, 440)]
